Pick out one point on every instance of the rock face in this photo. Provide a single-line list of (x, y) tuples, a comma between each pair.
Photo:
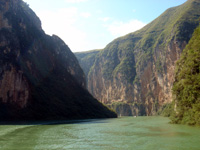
[(40, 78), (138, 69)]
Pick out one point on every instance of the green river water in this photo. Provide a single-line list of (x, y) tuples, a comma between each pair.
[(126, 133)]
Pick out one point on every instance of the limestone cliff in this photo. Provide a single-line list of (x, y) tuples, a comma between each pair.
[(40, 78), (138, 69)]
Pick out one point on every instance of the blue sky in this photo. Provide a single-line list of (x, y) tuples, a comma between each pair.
[(92, 24)]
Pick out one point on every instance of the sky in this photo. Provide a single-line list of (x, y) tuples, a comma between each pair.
[(92, 24)]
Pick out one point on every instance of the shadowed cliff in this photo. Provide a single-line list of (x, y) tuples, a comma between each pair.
[(40, 78)]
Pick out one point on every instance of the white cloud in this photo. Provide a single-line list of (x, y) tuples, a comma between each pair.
[(85, 14), (123, 28), (75, 1), (63, 23), (105, 19)]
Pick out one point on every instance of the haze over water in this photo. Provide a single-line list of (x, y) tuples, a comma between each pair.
[(126, 133)]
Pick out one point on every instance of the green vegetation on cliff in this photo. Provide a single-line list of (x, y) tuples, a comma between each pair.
[(186, 88)]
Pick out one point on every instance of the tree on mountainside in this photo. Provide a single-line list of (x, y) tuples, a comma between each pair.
[(186, 88)]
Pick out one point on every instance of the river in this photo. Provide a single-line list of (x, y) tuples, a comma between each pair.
[(126, 133)]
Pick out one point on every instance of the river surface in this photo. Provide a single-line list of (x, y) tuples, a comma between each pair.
[(126, 133)]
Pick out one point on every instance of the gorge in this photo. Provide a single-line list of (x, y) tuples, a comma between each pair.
[(51, 98)]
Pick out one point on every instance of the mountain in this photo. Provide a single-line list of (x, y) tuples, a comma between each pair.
[(134, 74), (186, 87), (40, 78)]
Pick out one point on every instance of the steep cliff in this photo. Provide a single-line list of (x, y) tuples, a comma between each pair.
[(40, 78), (186, 89), (138, 69)]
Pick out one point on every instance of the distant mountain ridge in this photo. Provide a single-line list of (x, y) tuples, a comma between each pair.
[(40, 78), (134, 74)]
